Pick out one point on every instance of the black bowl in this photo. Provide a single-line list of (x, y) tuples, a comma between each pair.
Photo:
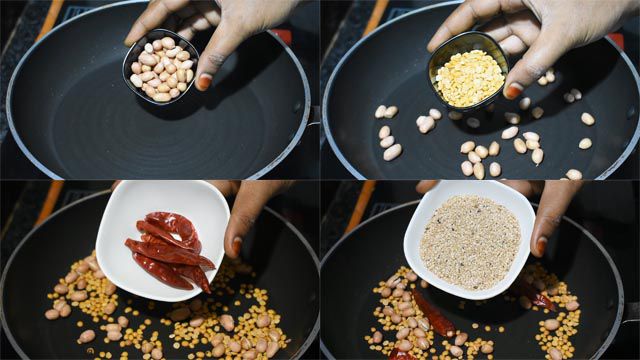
[(137, 48), (461, 43)]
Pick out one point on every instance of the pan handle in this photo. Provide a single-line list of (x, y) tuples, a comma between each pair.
[(631, 312)]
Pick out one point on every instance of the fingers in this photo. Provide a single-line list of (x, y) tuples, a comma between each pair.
[(556, 197), (193, 25), (542, 54), (224, 41), (468, 14), (426, 185), (251, 198), (524, 187), (513, 45), (226, 187), (201, 17), (155, 14)]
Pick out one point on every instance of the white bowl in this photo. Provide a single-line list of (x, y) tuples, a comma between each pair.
[(197, 200), (432, 200)]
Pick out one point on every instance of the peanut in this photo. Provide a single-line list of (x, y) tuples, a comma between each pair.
[(587, 119), (387, 142), (467, 147), (585, 144), (467, 168), (392, 152), (509, 133), (494, 148), (494, 169), (390, 112)]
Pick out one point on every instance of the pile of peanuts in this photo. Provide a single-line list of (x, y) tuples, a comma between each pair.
[(410, 329), (253, 335), (469, 78), (555, 333), (387, 141), (87, 289), (163, 70)]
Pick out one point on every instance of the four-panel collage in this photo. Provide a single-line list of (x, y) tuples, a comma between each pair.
[(320, 179)]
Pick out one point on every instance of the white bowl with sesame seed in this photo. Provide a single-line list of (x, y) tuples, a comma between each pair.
[(504, 197), (198, 201)]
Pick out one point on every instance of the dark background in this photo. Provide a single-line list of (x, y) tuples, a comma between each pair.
[(21, 23), (608, 209), (22, 202), (342, 25)]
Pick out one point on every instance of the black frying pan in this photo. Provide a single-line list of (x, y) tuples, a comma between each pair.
[(73, 116), (69, 234), (389, 67), (373, 251)]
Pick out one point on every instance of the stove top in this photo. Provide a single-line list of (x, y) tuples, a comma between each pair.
[(351, 30), (299, 205), (607, 209), (304, 25)]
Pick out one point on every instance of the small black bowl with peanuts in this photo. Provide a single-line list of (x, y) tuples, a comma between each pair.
[(160, 67)]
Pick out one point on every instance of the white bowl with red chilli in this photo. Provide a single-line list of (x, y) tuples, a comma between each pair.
[(460, 242), (163, 240)]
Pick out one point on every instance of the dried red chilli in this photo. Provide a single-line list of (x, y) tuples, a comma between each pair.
[(151, 239), (162, 272), (176, 223), (194, 273), (168, 253), (396, 354), (523, 288), (156, 231), (440, 323)]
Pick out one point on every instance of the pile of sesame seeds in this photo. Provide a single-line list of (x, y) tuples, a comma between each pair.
[(471, 242)]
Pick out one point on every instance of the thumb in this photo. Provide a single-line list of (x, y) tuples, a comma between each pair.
[(223, 43), (251, 198), (425, 185), (542, 54), (556, 197)]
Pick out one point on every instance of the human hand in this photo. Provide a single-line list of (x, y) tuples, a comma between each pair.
[(547, 28), (251, 197), (556, 197), (235, 21)]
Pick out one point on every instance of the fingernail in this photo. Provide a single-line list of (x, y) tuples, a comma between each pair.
[(541, 245), (237, 245), (513, 91), (204, 81)]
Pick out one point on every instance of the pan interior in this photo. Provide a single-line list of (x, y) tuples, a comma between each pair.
[(77, 117), (48, 252), (390, 68), (373, 252)]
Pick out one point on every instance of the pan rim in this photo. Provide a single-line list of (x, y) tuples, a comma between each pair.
[(328, 89), (49, 173), (297, 355), (614, 328)]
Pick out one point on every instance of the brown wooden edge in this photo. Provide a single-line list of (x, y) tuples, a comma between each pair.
[(376, 16), (52, 16), (50, 202), (361, 205)]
